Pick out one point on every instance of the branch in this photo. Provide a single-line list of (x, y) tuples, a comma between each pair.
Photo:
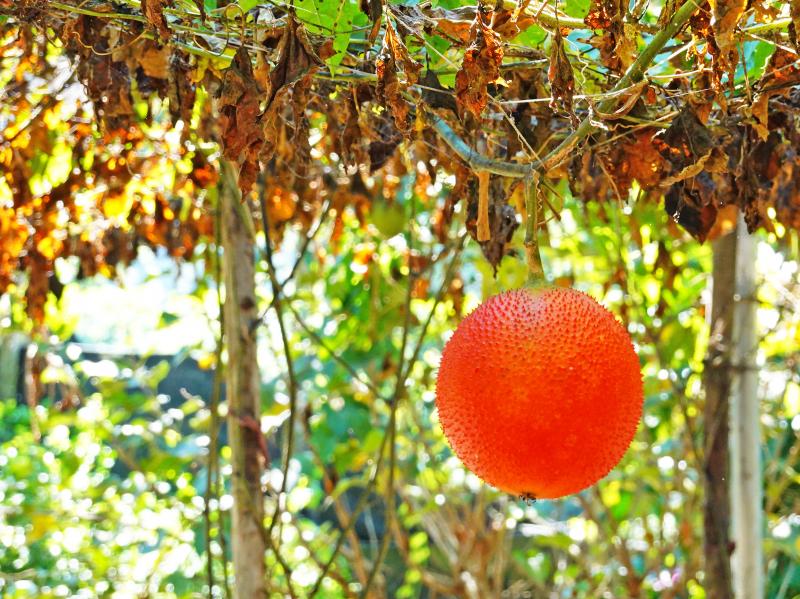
[(278, 305), (635, 73)]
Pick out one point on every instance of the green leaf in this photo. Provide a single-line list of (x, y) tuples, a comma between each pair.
[(339, 19)]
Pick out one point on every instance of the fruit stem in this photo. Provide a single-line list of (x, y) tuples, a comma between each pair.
[(535, 270)]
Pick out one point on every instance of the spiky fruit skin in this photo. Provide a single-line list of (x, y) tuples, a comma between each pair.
[(539, 391)]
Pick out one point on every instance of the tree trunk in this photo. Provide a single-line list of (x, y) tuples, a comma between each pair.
[(716, 510), (243, 386), (746, 489)]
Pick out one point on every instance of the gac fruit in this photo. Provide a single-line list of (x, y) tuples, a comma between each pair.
[(539, 391)]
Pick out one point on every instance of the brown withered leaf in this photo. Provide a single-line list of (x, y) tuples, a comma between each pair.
[(383, 148), (686, 202), (721, 62), (393, 60), (642, 159), (181, 91), (297, 58), (434, 94), (726, 15), (610, 54), (686, 145), (240, 118), (502, 220), (603, 13), (591, 180), (560, 75), (509, 25), (374, 10), (724, 223), (667, 11), (765, 10), (152, 58), (389, 91), (455, 24), (409, 66), (203, 175), (781, 74), (154, 13), (794, 27), (608, 171), (481, 66), (785, 193), (107, 81), (13, 237)]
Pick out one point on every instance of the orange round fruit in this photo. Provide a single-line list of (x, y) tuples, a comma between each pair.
[(539, 391)]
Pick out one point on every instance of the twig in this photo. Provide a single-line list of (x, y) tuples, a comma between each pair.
[(278, 304), (300, 256), (336, 357)]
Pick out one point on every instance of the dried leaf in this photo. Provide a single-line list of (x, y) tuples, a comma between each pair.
[(683, 203), (724, 223), (781, 74), (794, 11), (484, 234), (153, 60), (685, 145), (502, 221), (481, 66), (642, 160), (297, 58), (374, 10), (13, 237), (726, 15), (560, 75), (240, 117), (456, 24), (435, 95), (381, 150), (181, 90), (106, 77), (393, 59), (604, 13), (154, 13), (785, 193)]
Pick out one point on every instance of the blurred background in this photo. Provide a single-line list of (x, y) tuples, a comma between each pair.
[(106, 425)]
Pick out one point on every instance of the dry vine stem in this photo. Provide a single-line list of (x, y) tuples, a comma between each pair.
[(634, 74)]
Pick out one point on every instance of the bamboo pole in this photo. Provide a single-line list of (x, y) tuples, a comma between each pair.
[(716, 457), (745, 441)]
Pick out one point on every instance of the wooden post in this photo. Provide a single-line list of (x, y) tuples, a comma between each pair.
[(248, 537), (717, 381)]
